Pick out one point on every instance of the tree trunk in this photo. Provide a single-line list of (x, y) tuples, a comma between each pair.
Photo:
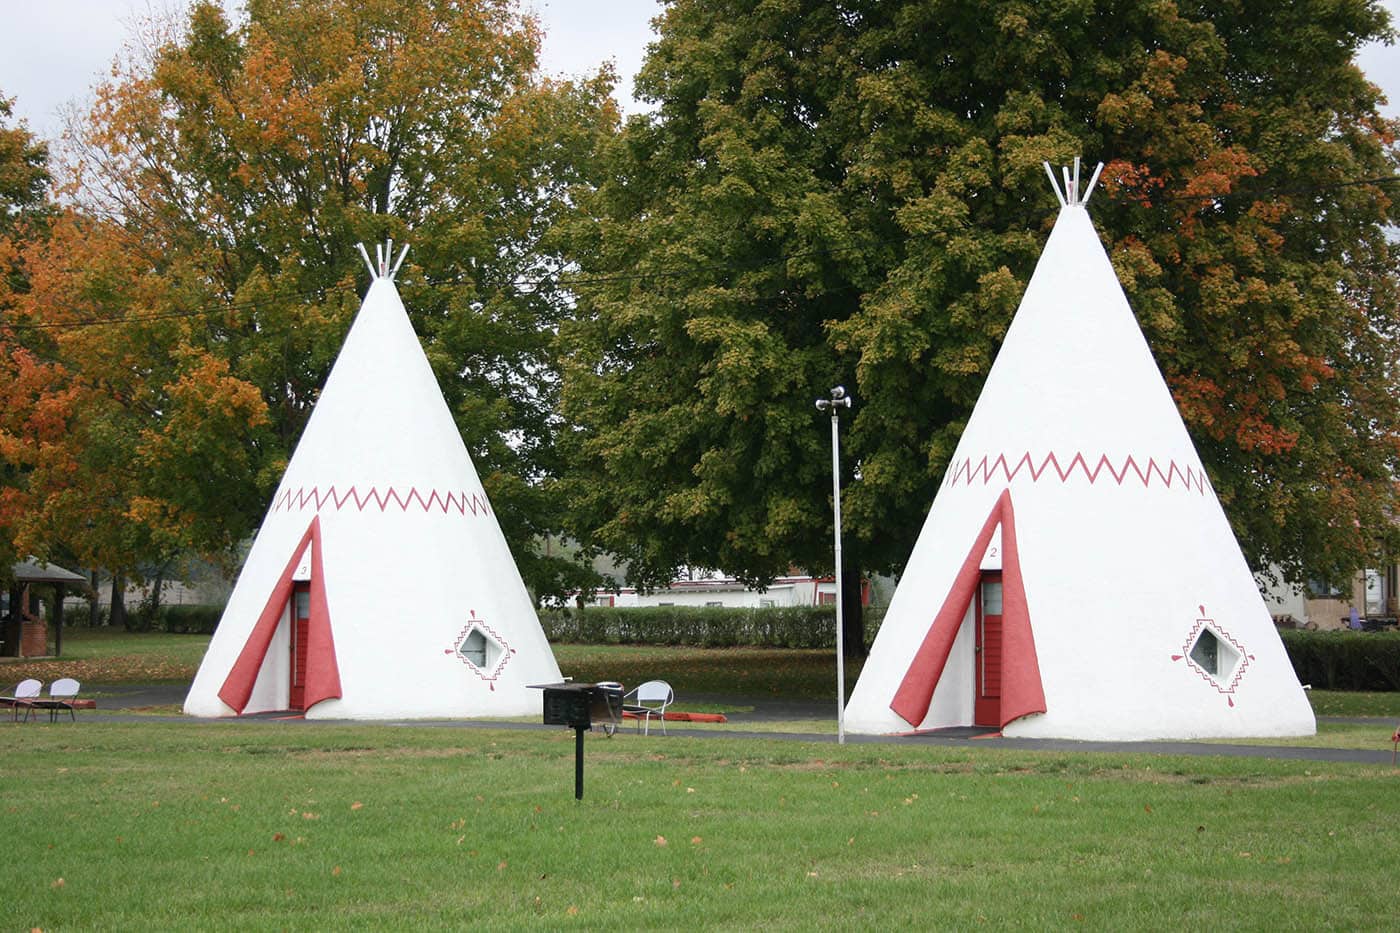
[(94, 610), (57, 620), (151, 621), (852, 612), (118, 616)]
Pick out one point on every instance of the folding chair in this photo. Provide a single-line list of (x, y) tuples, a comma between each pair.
[(26, 693), (61, 694)]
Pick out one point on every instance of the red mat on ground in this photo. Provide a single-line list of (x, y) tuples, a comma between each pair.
[(673, 716)]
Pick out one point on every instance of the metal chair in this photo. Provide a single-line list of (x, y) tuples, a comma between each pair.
[(26, 693), (610, 708), (650, 699)]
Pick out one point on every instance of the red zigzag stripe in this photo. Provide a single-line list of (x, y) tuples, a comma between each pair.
[(985, 469), (301, 498)]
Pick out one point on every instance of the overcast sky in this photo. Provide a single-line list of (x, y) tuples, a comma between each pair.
[(53, 51)]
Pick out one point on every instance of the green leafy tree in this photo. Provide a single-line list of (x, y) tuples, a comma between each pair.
[(246, 159), (853, 193)]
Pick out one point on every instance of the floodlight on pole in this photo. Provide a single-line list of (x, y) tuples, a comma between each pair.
[(837, 401)]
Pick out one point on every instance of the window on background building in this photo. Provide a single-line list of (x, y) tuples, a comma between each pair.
[(827, 599), (714, 602), (766, 604), (1321, 589)]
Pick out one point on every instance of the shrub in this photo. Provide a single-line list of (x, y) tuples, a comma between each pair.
[(1345, 660), (701, 626), (192, 620)]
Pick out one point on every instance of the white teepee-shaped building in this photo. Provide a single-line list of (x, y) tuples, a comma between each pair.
[(380, 585), (1076, 576)]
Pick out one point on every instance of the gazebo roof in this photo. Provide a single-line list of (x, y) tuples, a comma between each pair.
[(33, 571)]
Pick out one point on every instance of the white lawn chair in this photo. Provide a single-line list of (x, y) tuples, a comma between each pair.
[(61, 694), (650, 700), (26, 693)]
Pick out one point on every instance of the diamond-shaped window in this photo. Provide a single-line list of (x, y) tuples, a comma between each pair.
[(478, 648), (1214, 655)]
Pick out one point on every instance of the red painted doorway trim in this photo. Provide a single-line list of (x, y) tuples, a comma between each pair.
[(1021, 690), (300, 632), (322, 672), (986, 704)]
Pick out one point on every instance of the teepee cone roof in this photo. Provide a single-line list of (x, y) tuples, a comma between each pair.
[(1124, 555), (381, 495)]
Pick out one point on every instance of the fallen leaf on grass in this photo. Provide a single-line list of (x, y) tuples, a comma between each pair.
[(695, 840), (335, 870), (675, 884), (661, 841), (311, 816), (356, 805), (1147, 808), (572, 911), (58, 883), (501, 866), (278, 837)]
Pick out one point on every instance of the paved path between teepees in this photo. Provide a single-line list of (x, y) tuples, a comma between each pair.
[(764, 709)]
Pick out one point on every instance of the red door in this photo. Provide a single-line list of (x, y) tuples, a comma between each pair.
[(301, 621), (987, 706)]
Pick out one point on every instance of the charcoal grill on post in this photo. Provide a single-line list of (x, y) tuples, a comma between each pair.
[(578, 706)]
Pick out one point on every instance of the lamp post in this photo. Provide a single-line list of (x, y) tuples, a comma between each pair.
[(836, 402)]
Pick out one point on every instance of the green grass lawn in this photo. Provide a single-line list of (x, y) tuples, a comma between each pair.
[(113, 657), (268, 826), (794, 674)]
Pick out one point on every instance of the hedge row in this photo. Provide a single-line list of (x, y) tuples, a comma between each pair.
[(700, 626), (201, 620), (1345, 660), (184, 619)]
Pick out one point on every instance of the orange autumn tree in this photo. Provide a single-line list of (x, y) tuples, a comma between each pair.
[(24, 210), (133, 440), (244, 160)]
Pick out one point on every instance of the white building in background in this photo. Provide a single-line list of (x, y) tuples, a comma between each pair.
[(710, 588), (1368, 600)]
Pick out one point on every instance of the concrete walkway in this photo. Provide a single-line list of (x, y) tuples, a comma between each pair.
[(122, 703)]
